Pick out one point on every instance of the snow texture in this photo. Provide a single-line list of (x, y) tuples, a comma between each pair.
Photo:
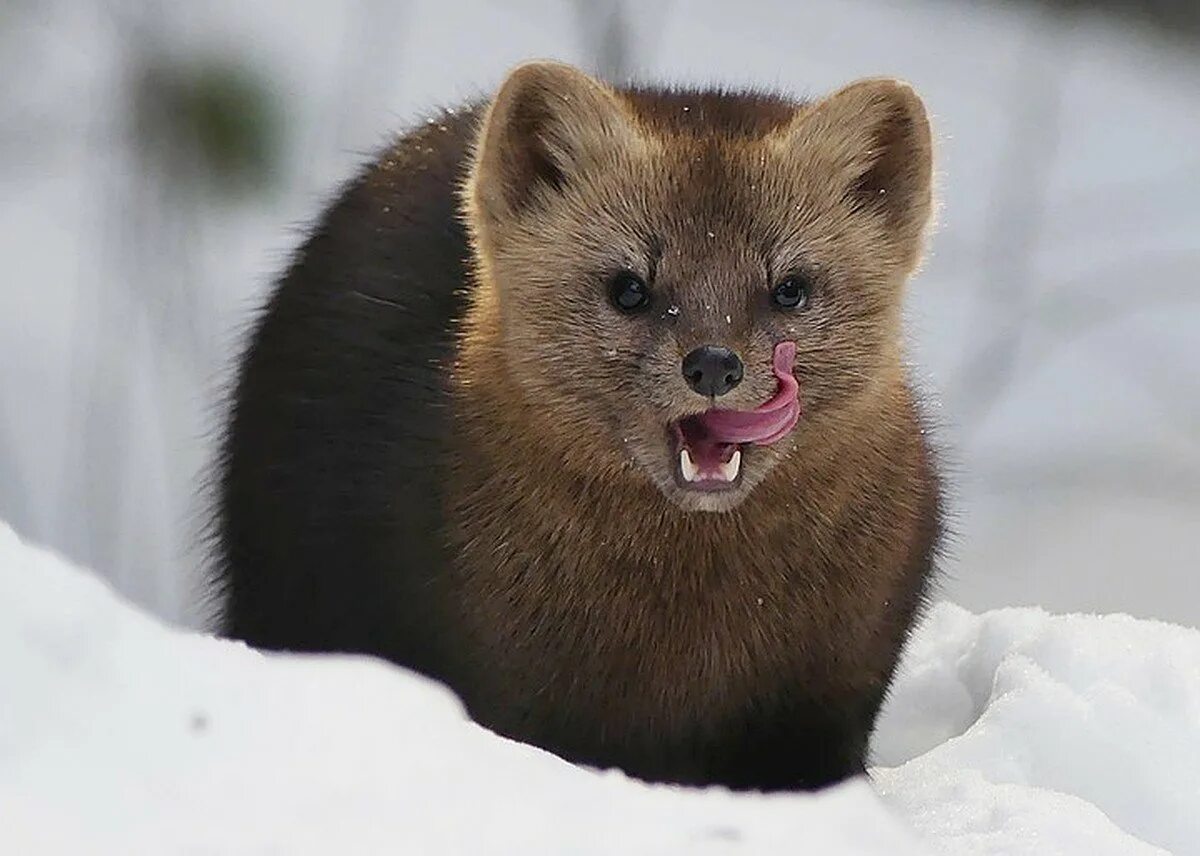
[(1016, 731), (121, 736), (1010, 732)]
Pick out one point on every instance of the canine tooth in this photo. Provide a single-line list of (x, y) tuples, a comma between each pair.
[(729, 469), (687, 466)]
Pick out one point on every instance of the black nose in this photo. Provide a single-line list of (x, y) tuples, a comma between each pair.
[(711, 370)]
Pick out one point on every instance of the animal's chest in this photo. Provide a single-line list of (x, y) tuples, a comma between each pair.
[(632, 629)]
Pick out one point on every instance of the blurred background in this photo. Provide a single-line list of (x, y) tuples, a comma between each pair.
[(158, 162)]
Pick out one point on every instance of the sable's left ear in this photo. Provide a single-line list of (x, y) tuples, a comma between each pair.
[(874, 135)]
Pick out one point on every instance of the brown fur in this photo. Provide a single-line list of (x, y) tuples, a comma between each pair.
[(594, 589), (500, 509)]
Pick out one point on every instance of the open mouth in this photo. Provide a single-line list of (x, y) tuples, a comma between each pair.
[(710, 446), (703, 462)]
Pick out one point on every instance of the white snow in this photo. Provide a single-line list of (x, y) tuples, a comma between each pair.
[(119, 736), (1016, 731), (1010, 732)]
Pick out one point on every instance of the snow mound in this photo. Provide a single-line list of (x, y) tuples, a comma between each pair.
[(1010, 732), (120, 736), (1016, 731)]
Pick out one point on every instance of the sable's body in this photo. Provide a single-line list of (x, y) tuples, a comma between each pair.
[(392, 484)]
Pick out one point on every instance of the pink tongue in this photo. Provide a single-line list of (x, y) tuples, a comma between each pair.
[(712, 436), (769, 421)]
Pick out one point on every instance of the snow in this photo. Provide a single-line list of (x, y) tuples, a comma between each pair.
[(1073, 733), (119, 735), (1009, 732)]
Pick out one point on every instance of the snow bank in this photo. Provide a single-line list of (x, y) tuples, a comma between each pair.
[(120, 736), (1021, 732), (1010, 732)]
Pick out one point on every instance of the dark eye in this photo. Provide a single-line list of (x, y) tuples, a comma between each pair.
[(791, 293), (628, 293)]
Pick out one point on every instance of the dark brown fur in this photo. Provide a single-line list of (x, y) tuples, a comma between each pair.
[(530, 545)]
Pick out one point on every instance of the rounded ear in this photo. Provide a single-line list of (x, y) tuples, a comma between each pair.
[(874, 138), (548, 123)]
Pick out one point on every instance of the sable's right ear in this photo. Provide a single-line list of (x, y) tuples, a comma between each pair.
[(548, 123)]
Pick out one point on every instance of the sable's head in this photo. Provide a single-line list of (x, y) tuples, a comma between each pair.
[(650, 257)]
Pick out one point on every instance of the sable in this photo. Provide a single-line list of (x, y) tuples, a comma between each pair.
[(591, 403)]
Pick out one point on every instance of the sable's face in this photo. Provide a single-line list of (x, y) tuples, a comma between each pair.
[(649, 253)]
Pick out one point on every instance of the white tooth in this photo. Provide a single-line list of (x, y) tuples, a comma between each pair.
[(729, 469), (687, 466)]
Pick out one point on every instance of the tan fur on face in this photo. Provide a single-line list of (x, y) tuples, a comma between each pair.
[(573, 181)]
